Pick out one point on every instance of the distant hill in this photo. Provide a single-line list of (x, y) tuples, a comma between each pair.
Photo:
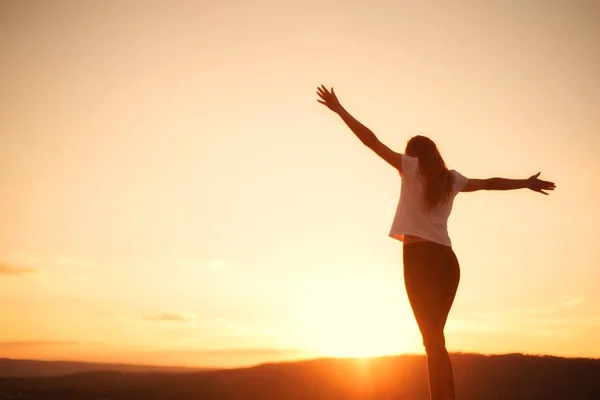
[(30, 368), (478, 377)]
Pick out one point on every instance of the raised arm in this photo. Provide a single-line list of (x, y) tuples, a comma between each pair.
[(532, 183), (364, 134)]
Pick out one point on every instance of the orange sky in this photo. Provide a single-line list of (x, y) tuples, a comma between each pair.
[(171, 192)]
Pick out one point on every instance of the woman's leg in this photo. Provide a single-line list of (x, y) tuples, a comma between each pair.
[(450, 280), (431, 276)]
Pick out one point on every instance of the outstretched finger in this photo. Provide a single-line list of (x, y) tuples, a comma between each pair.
[(322, 93)]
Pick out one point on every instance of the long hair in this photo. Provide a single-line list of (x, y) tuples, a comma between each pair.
[(432, 168)]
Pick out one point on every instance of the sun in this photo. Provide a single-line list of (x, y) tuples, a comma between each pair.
[(353, 317)]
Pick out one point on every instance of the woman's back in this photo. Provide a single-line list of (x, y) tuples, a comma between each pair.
[(414, 217)]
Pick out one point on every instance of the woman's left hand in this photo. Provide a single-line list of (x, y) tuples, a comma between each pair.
[(538, 185)]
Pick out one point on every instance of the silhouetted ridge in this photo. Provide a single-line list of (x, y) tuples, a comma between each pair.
[(478, 377)]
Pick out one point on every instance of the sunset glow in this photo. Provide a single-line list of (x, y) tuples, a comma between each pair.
[(351, 318), (172, 193)]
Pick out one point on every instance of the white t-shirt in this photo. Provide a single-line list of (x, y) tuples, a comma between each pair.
[(412, 214)]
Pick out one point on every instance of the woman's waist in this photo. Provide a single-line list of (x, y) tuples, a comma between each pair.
[(417, 241), (409, 239)]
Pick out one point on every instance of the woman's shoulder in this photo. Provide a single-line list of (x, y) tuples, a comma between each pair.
[(459, 180), (409, 164)]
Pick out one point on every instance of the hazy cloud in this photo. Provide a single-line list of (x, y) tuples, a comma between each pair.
[(67, 261), (573, 301), (12, 270), (201, 264), (241, 329), (78, 277), (253, 352), (171, 317), (224, 322), (35, 343), (531, 312), (554, 319), (246, 352), (20, 257)]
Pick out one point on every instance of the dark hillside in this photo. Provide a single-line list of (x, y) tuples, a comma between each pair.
[(403, 377)]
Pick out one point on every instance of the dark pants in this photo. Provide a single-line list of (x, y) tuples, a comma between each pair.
[(431, 276)]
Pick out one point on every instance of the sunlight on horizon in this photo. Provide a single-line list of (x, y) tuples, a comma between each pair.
[(171, 191), (350, 317)]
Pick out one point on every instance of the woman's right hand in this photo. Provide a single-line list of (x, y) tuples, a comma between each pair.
[(538, 185), (329, 99)]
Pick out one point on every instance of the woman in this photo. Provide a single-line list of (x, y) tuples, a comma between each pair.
[(431, 269)]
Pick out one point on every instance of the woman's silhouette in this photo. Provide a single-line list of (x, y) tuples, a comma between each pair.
[(431, 269)]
